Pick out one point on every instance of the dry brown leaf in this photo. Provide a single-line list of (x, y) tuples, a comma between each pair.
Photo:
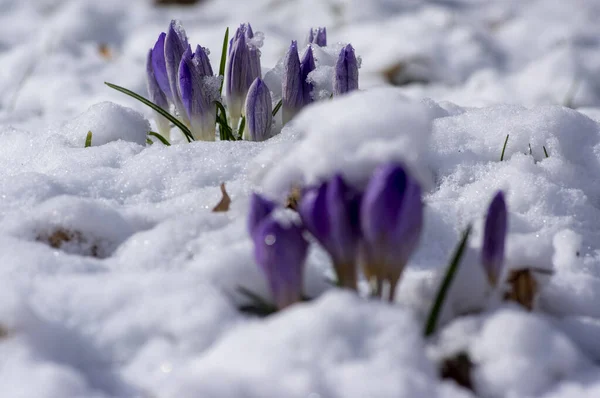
[(225, 201), (105, 51), (524, 288), (294, 198)]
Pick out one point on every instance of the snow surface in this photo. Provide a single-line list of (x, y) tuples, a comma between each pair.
[(117, 280)]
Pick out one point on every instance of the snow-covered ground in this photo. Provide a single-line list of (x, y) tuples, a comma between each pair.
[(140, 300)]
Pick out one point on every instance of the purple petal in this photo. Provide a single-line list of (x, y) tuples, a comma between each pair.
[(238, 75), (314, 213), (159, 66), (156, 95), (306, 66), (346, 72), (292, 95), (280, 252), (175, 45), (321, 37), (260, 208), (258, 112), (496, 224), (201, 58)]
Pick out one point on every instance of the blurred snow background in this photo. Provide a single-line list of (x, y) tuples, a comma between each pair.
[(116, 280)]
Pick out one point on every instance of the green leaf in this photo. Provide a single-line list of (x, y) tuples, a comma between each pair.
[(149, 141), (160, 138), (171, 118), (225, 130), (545, 152), (242, 127), (88, 139), (443, 291), (223, 58), (504, 148), (276, 109)]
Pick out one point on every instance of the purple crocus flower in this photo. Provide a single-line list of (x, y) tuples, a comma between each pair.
[(307, 65), (160, 68), (156, 95), (292, 95), (492, 252), (201, 58), (197, 102), (331, 213), (318, 36), (391, 218), (258, 112), (280, 251), (243, 67), (260, 208), (346, 72), (175, 45)]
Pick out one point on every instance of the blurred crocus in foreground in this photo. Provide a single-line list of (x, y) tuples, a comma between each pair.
[(280, 251), (492, 252), (331, 215), (260, 208), (346, 72), (391, 217), (258, 112)]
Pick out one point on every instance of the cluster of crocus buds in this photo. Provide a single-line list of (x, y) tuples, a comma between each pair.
[(181, 79), (184, 79), (379, 229), (494, 236)]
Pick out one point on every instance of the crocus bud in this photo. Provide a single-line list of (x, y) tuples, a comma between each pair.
[(156, 95), (201, 58), (260, 208), (331, 213), (197, 102), (160, 68), (280, 251), (346, 72), (307, 65), (391, 218), (492, 252), (238, 75), (292, 95), (255, 69), (258, 112), (318, 36), (175, 45)]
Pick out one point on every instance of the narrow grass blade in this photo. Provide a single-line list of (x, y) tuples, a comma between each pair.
[(242, 127), (545, 152), (171, 118), (149, 141), (160, 138), (441, 295), (88, 139), (504, 148), (227, 133), (277, 107), (223, 58)]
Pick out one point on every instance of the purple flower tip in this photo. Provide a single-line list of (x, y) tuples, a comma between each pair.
[(346, 72), (318, 36), (159, 66), (292, 95), (496, 224), (280, 251), (307, 65), (258, 112), (260, 208), (391, 220)]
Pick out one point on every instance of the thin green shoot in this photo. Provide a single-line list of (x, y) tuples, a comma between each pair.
[(88, 139), (504, 148), (160, 138)]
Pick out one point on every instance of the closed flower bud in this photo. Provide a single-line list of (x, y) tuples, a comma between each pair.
[(258, 112), (196, 100), (156, 95), (391, 219), (175, 45), (494, 236), (292, 95), (307, 65), (346, 72), (331, 213), (280, 251), (160, 68)]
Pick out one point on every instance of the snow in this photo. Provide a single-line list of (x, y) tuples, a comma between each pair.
[(117, 279)]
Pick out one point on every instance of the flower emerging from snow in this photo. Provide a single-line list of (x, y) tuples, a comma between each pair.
[(331, 215), (280, 251), (258, 112), (292, 95), (157, 96), (243, 67), (391, 216), (196, 98), (346, 72), (318, 36), (492, 252)]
